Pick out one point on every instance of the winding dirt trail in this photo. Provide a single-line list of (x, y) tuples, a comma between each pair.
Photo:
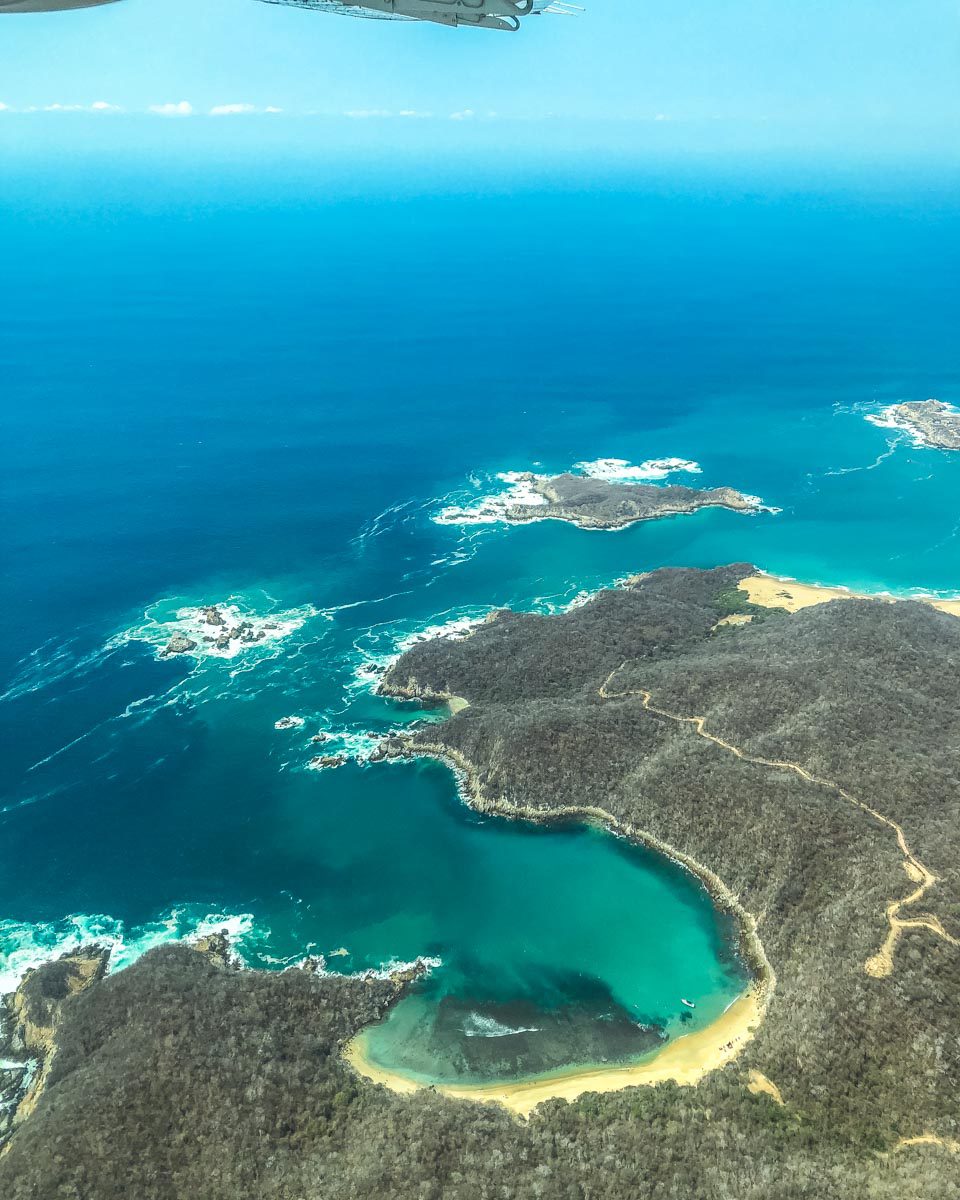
[(929, 1139), (879, 965)]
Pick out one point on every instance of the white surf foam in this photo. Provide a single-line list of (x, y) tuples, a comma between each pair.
[(168, 619), (488, 510), (380, 646), (892, 417), (478, 1025), (25, 945), (422, 965), (619, 470), (289, 723)]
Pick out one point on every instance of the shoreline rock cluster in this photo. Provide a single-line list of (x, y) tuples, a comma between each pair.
[(218, 634)]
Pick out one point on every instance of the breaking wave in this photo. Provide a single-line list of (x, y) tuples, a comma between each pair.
[(226, 630), (478, 1025), (379, 647), (24, 946)]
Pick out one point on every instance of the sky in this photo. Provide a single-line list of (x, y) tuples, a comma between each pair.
[(856, 71)]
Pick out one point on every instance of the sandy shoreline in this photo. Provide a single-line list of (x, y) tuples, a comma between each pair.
[(684, 1060), (770, 591)]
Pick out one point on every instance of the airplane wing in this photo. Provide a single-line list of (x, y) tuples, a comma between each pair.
[(33, 6), (478, 14)]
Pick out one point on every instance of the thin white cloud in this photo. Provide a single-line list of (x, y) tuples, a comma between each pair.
[(365, 114), (98, 106), (183, 109), (271, 109), (466, 114), (412, 112), (232, 110)]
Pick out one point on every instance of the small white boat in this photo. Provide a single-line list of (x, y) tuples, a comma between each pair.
[(688, 1003)]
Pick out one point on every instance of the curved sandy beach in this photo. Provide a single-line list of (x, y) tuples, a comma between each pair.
[(770, 591), (685, 1060)]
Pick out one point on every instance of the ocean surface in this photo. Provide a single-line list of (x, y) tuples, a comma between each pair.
[(260, 388)]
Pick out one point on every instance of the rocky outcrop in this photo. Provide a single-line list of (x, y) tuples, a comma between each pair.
[(216, 948), (288, 723), (178, 644), (930, 422), (324, 762), (32, 1015), (602, 504)]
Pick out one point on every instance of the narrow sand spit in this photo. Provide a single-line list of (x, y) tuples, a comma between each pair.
[(685, 1060), (879, 965), (768, 591)]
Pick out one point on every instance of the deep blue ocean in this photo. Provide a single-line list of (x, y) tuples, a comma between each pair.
[(259, 386)]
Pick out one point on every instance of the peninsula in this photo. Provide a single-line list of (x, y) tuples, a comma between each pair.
[(802, 763)]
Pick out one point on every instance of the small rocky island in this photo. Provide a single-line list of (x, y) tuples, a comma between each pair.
[(601, 504), (929, 422), (217, 628)]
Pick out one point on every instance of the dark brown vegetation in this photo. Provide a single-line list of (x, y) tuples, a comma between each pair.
[(183, 1078)]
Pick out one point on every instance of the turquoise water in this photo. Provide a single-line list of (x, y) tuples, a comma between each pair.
[(223, 389)]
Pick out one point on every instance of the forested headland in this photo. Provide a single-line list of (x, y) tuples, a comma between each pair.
[(794, 756)]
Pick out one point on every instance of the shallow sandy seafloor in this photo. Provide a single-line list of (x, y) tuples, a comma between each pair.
[(685, 1060)]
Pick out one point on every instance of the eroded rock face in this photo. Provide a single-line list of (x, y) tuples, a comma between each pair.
[(32, 1016), (324, 762), (215, 947), (178, 644)]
